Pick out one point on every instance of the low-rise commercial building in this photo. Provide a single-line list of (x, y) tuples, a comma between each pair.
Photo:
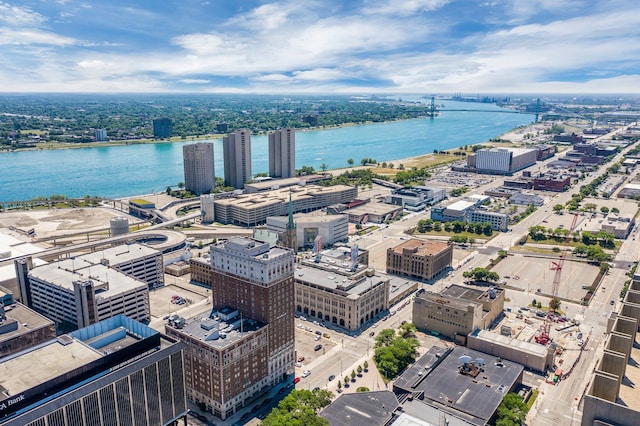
[(526, 199), (552, 183), (418, 258), (117, 371), (457, 310), (620, 226), (21, 328), (498, 221), (416, 198)]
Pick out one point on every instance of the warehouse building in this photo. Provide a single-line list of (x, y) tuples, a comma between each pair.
[(502, 161)]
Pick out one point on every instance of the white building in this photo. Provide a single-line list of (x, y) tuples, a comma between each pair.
[(504, 160), (331, 228), (79, 293)]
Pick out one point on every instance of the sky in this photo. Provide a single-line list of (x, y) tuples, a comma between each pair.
[(321, 46)]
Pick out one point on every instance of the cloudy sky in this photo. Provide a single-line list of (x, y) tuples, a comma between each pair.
[(320, 46)]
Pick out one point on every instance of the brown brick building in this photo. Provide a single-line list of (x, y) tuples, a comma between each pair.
[(256, 281), (418, 258)]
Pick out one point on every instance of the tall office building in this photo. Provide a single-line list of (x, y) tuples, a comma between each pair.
[(236, 149), (282, 153), (162, 128), (115, 372), (199, 173), (100, 134), (257, 280)]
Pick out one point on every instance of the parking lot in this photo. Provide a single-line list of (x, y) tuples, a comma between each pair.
[(307, 339), (160, 299)]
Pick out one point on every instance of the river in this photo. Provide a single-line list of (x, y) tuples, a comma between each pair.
[(122, 171)]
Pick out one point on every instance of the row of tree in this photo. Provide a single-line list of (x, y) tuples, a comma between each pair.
[(601, 238), (479, 228)]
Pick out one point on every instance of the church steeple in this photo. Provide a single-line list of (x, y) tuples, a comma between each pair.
[(291, 224), (289, 237)]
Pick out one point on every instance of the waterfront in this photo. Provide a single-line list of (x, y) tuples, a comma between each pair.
[(120, 171)]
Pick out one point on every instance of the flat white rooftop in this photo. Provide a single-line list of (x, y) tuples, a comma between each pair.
[(107, 281), (32, 368)]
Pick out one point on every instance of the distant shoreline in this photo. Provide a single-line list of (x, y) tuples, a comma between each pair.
[(50, 146)]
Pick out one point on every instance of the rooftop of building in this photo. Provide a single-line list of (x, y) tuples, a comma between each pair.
[(106, 280), (515, 151), (217, 328), (251, 247), (375, 208), (506, 341), (270, 183), (298, 193), (61, 356), (27, 321), (421, 413), (120, 254), (462, 379), (339, 277), (421, 247), (304, 218), (461, 205), (470, 293), (448, 301), (361, 408)]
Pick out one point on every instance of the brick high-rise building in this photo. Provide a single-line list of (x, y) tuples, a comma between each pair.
[(258, 281)]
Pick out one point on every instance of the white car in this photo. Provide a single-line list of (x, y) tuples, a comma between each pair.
[(306, 373)]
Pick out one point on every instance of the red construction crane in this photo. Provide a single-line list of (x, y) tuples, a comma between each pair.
[(543, 336)]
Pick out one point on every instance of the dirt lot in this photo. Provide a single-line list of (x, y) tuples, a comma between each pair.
[(535, 273), (54, 222)]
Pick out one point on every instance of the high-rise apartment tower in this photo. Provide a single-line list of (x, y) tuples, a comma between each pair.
[(282, 153), (199, 172), (236, 149)]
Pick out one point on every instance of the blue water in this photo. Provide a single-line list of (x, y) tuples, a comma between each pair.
[(121, 171)]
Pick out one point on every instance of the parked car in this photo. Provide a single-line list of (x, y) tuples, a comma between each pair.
[(300, 358), (306, 373), (372, 333), (296, 380), (319, 333), (317, 348), (331, 377)]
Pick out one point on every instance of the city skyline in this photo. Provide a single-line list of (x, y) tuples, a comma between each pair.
[(417, 46)]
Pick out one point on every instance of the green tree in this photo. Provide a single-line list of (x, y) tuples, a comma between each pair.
[(554, 304), (366, 366), (353, 375), (350, 161), (339, 386), (180, 185), (300, 407), (615, 210), (359, 370), (362, 389), (512, 411), (604, 209), (407, 330), (323, 167)]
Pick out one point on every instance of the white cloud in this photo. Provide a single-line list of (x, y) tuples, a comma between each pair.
[(194, 81), (27, 37), (403, 7), (18, 16)]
